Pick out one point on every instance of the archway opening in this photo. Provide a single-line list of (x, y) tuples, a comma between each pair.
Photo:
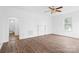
[(13, 29)]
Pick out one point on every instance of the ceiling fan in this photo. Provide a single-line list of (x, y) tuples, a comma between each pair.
[(55, 9)]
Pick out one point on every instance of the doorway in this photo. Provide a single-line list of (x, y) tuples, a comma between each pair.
[(13, 29)]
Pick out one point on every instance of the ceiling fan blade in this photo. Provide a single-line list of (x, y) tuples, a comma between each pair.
[(49, 7), (58, 10), (59, 7)]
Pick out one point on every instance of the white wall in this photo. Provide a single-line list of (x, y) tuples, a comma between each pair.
[(33, 21), (58, 22), (3, 26)]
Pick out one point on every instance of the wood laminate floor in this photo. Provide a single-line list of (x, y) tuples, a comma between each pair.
[(43, 44)]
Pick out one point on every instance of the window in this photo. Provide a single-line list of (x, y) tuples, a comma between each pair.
[(68, 24)]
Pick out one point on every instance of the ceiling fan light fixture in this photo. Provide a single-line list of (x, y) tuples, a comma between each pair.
[(55, 9)]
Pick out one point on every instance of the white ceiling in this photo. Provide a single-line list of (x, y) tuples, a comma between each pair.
[(43, 9), (69, 9)]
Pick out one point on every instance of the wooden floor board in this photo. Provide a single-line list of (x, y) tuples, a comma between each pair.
[(42, 44)]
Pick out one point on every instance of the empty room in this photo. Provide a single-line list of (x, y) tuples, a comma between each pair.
[(39, 29)]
